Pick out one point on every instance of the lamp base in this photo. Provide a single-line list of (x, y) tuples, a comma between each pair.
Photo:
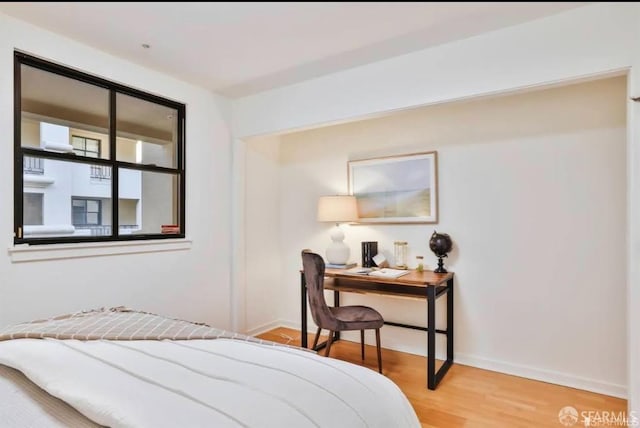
[(337, 252)]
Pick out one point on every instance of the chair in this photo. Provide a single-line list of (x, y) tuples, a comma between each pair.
[(340, 318)]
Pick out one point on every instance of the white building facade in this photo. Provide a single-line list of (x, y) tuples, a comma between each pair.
[(75, 199)]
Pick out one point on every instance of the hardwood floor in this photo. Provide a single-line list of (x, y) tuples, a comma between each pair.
[(467, 396)]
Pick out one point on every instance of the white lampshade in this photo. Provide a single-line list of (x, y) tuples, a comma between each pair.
[(337, 209)]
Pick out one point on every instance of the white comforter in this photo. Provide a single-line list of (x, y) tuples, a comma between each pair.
[(208, 383)]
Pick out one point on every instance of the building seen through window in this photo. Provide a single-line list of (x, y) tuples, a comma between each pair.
[(99, 161)]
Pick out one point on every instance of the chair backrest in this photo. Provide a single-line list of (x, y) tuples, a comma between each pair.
[(313, 267)]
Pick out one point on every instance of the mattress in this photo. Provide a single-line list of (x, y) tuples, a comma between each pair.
[(123, 368), (24, 404)]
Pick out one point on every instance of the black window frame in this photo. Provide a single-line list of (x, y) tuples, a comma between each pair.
[(20, 152)]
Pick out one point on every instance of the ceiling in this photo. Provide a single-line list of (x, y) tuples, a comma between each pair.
[(238, 49)]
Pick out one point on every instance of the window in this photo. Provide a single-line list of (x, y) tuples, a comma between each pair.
[(33, 209), (86, 212), (108, 159), (88, 147)]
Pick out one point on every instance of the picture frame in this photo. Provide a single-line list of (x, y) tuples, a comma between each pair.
[(396, 189)]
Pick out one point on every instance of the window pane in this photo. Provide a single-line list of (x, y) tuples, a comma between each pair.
[(93, 206), (93, 145), (55, 108), (84, 146), (33, 209), (79, 216), (92, 218), (146, 132), (67, 190), (77, 143), (147, 202)]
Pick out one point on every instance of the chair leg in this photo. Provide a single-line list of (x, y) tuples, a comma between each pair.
[(362, 344), (315, 340), (378, 349), (329, 342)]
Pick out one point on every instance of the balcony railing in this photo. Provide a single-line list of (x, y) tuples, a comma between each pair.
[(125, 229), (31, 165), (100, 172)]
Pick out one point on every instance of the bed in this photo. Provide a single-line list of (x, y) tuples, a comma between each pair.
[(123, 368)]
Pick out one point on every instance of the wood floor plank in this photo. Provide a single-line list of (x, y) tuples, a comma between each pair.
[(467, 396)]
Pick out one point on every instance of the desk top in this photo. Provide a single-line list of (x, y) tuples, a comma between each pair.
[(415, 278)]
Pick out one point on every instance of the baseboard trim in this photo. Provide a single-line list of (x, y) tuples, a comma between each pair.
[(264, 328), (528, 372), (543, 375)]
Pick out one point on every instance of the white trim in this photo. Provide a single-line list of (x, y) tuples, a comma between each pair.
[(38, 181), (237, 296), (296, 325), (29, 253), (543, 375), (527, 372), (265, 328)]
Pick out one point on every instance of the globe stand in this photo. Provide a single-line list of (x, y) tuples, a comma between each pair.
[(441, 268)]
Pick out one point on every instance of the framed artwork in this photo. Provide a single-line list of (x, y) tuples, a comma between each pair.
[(396, 189)]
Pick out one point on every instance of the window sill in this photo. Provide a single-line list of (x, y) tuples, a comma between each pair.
[(30, 253)]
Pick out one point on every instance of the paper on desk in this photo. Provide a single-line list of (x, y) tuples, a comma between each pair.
[(359, 271), (389, 273)]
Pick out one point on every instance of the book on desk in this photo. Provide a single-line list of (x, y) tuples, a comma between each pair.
[(382, 273)]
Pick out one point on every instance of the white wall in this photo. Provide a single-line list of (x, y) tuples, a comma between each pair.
[(577, 43), (593, 40), (56, 213), (130, 182), (83, 185), (30, 133), (263, 234), (192, 284), (532, 188), (633, 237)]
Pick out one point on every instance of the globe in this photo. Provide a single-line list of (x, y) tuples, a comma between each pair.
[(440, 244)]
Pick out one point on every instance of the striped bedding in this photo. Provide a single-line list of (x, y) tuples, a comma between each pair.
[(232, 381), (118, 323)]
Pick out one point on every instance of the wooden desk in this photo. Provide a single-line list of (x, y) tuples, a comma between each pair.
[(423, 285)]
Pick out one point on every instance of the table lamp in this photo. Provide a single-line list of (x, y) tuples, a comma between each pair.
[(337, 209)]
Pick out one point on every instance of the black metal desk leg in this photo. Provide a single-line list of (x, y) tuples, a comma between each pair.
[(303, 309), (336, 303), (450, 320), (431, 337)]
